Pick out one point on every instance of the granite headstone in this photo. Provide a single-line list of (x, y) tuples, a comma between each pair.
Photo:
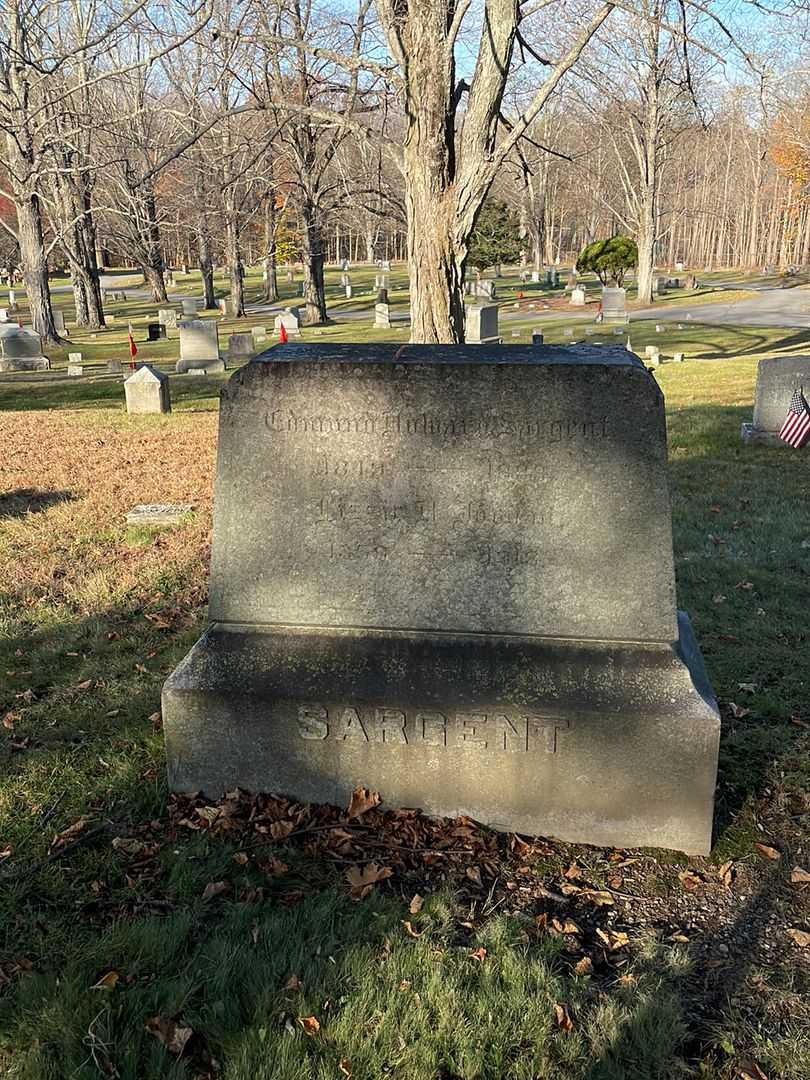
[(776, 381), (147, 391), (446, 574)]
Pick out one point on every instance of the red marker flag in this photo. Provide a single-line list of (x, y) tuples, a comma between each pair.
[(133, 348), (282, 335)]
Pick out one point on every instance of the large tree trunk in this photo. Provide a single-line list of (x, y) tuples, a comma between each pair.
[(233, 255), (436, 263), (206, 263), (270, 273), (646, 251), (153, 272), (312, 245), (371, 236), (80, 299), (35, 268)]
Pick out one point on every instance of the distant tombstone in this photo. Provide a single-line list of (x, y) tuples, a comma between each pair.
[(677, 358), (223, 307), (259, 334), (302, 289), (155, 514), (568, 332), (75, 369), (115, 367), (537, 337), (147, 391), (482, 324), (692, 282), (3, 315), (652, 356), (185, 268), (344, 264), (571, 704), (155, 331), (679, 266), (240, 345), (74, 357), (486, 288), (190, 305), (659, 285), (199, 346), (290, 277), (617, 330), (524, 276), (348, 290), (386, 266), (380, 281), (777, 379), (577, 298), (168, 318), (571, 281), (674, 283), (535, 277), (345, 280), (382, 316), (59, 322), (289, 319), (555, 278), (614, 305), (548, 276), (12, 299)]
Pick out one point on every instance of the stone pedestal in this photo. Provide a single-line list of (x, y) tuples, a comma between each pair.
[(482, 324), (147, 391), (446, 574)]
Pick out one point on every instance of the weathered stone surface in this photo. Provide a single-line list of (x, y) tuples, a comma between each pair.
[(577, 297), (447, 573), (59, 321), (482, 324), (382, 316), (614, 304), (75, 369), (776, 381), (168, 318), (199, 344), (21, 350), (147, 391), (290, 318), (190, 305), (159, 513), (241, 345)]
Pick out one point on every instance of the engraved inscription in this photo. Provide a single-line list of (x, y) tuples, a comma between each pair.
[(477, 732)]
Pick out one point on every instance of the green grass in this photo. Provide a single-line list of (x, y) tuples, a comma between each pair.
[(93, 616)]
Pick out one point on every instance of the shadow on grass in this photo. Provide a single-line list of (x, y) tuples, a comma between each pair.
[(16, 504)]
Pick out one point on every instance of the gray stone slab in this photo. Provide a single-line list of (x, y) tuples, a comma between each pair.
[(241, 344), (447, 573), (159, 513), (147, 391), (168, 318), (21, 350), (776, 381), (482, 324), (199, 344)]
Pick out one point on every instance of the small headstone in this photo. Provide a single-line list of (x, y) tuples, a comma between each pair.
[(344, 265), (348, 289), (535, 276), (677, 358), (3, 315), (524, 276), (290, 277), (659, 285), (147, 391), (614, 305), (240, 345), (617, 330), (679, 267), (159, 513), (155, 331), (486, 288), (777, 379), (382, 316), (386, 266), (291, 320), (74, 357), (482, 324), (577, 298), (168, 318), (537, 337), (21, 350), (185, 268), (199, 345), (115, 367), (75, 369), (12, 299), (59, 322), (568, 332), (658, 328), (345, 280), (223, 307), (571, 704), (259, 334), (190, 305)]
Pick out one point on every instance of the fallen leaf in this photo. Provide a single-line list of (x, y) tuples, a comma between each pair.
[(584, 966), (107, 982), (214, 888), (541, 921), (567, 927), (240, 858), (310, 1025), (598, 897), (345, 1067), (69, 833), (479, 954), (474, 874), (156, 720), (768, 852), (293, 983), (8, 720), (280, 830), (416, 903), (85, 685), (562, 1018), (173, 1035), (573, 872), (614, 939), (801, 937), (362, 801), (737, 711), (128, 844), (799, 876), (726, 873), (5, 852), (273, 867), (718, 598), (690, 880), (409, 929), (751, 1071), (362, 880)]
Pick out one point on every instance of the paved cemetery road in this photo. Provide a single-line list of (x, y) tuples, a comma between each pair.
[(768, 307)]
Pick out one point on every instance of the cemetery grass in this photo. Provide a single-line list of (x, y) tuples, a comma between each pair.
[(143, 937)]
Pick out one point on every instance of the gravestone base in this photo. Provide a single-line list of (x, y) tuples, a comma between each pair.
[(199, 367), (613, 744), (756, 437), (25, 363)]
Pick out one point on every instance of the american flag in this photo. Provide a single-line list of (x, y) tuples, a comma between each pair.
[(796, 428)]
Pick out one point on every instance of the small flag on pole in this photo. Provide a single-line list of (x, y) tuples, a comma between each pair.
[(282, 335), (796, 428), (133, 348)]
